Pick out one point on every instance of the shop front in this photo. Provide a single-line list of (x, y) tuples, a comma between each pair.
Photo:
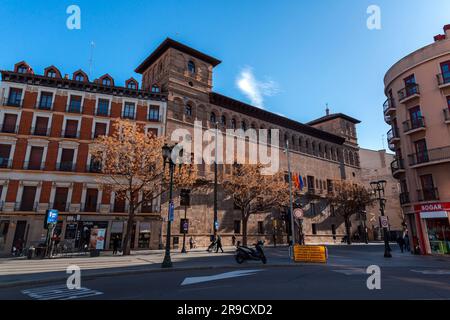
[(434, 227)]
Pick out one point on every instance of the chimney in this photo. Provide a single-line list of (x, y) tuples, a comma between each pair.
[(447, 30), (327, 110)]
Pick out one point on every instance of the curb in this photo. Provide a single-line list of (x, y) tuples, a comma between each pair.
[(143, 271)]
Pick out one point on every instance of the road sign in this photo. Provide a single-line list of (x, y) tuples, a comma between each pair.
[(216, 225), (185, 226), (51, 217), (171, 211), (298, 213), (314, 254), (384, 222)]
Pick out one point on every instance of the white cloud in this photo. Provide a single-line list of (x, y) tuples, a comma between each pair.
[(254, 89)]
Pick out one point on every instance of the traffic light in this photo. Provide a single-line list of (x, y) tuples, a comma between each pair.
[(185, 197)]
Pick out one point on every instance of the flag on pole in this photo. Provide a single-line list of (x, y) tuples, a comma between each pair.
[(300, 182)]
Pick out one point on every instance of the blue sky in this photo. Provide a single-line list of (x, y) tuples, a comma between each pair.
[(303, 54)]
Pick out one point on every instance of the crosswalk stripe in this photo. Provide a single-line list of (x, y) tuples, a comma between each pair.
[(60, 292)]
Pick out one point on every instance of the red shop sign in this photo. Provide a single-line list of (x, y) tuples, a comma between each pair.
[(432, 207)]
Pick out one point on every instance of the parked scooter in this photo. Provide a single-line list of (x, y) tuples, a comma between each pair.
[(245, 253)]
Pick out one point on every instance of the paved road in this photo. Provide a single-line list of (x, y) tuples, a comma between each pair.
[(344, 277)]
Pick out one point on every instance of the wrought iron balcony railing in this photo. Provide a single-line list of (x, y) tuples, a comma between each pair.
[(404, 198), (428, 194), (443, 79), (408, 91), (437, 154), (413, 124)]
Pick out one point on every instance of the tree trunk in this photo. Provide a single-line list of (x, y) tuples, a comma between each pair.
[(127, 239), (244, 229), (347, 230)]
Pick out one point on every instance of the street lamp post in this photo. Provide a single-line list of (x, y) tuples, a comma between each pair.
[(167, 156), (215, 182), (185, 194), (291, 206), (378, 188)]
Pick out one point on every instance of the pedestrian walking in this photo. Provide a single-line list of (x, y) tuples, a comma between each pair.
[(406, 240), (212, 244), (233, 240), (401, 243), (191, 243), (116, 244), (219, 244)]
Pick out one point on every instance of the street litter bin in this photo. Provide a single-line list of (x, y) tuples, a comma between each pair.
[(30, 253)]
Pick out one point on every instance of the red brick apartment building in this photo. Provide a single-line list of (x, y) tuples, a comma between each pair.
[(47, 123)]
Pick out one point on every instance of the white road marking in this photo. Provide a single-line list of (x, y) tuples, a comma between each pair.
[(226, 275), (432, 272), (352, 271), (60, 292)]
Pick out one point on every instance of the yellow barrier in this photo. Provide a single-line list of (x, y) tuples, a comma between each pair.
[(312, 254)]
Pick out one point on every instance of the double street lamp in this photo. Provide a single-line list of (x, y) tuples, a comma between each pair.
[(378, 188)]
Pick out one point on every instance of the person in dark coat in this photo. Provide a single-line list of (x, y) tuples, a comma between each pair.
[(401, 243), (219, 244), (116, 244)]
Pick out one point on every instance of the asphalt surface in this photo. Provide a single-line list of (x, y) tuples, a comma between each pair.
[(344, 277)]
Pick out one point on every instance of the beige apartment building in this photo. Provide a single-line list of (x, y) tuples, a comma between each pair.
[(417, 108), (376, 166)]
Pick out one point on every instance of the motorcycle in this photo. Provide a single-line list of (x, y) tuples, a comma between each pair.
[(245, 253)]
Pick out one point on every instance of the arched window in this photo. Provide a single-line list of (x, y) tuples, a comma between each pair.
[(106, 81), (243, 125), (79, 77), (51, 73), (212, 117), (233, 123), (155, 89), (131, 85), (191, 66), (223, 120), (188, 110)]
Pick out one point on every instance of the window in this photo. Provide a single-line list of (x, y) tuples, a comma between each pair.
[(191, 67), (71, 129), (15, 97), (75, 104), (9, 123), (91, 200), (5, 151), (244, 125), (106, 81), (237, 226), (103, 107), (96, 165), (153, 113), (410, 85), (429, 192), (128, 110), (416, 117), (147, 204), (132, 85), (60, 200), (41, 126), (51, 73), (119, 202), (233, 123), (79, 77), (66, 163), (260, 227), (445, 67), (212, 117), (35, 160), (22, 69), (223, 120), (329, 185), (100, 129), (188, 110), (314, 228), (45, 102), (310, 181), (155, 89), (421, 151), (28, 197)]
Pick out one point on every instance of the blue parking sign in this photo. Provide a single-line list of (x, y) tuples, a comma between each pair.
[(52, 216), (171, 211)]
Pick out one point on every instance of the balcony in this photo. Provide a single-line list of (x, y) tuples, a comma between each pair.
[(393, 136), (5, 163), (31, 165), (397, 167), (411, 126), (70, 134), (428, 194), (389, 106), (404, 198), (430, 157), (408, 93), (94, 167), (9, 128), (388, 119), (447, 115), (443, 80), (12, 102), (40, 131), (41, 105), (67, 166), (26, 206)]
